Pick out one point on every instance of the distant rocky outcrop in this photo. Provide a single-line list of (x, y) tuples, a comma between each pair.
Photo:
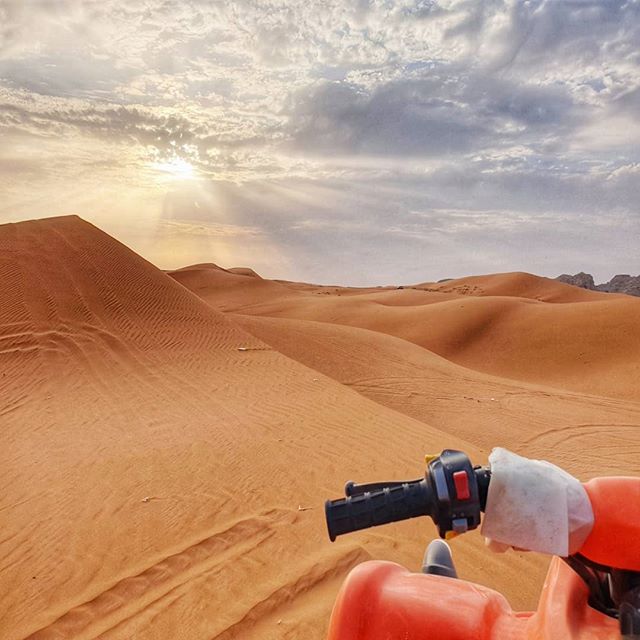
[(582, 279), (622, 283)]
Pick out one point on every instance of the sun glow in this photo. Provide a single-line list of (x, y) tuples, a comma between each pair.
[(177, 168)]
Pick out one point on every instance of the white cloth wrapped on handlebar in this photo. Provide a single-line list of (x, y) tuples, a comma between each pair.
[(534, 505)]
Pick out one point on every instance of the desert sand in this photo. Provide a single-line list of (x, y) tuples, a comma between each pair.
[(168, 439)]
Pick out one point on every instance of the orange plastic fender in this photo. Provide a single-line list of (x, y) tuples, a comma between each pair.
[(615, 538), (384, 601)]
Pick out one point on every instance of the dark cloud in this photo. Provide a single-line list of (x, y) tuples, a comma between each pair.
[(167, 135), (403, 117), (629, 101), (539, 32), (451, 110), (126, 123)]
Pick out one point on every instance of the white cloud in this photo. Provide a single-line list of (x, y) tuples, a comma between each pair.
[(215, 230)]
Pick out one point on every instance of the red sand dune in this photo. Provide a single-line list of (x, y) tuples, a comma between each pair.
[(484, 410), (238, 285), (519, 285), (164, 464), (244, 271), (544, 332)]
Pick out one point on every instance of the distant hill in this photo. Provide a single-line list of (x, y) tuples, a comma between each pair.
[(622, 283)]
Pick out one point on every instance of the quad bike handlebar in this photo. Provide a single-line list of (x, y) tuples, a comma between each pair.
[(453, 492)]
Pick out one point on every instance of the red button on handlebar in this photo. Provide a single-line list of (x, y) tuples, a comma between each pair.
[(461, 480)]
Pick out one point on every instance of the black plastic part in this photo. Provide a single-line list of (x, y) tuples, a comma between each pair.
[(438, 561), (372, 508), (483, 477), (597, 581), (435, 495), (630, 615)]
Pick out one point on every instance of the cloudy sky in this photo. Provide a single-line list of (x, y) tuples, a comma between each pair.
[(343, 141)]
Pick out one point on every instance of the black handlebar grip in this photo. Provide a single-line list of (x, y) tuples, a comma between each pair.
[(391, 504)]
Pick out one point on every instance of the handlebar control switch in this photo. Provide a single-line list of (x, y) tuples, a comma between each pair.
[(458, 496)]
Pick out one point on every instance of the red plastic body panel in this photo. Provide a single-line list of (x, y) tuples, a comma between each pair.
[(615, 538), (384, 601)]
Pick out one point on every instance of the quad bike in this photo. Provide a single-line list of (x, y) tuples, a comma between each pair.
[(592, 593)]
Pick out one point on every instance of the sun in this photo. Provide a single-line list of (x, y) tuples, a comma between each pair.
[(177, 168)]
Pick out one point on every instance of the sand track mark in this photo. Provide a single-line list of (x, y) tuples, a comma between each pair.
[(570, 432), (134, 593)]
